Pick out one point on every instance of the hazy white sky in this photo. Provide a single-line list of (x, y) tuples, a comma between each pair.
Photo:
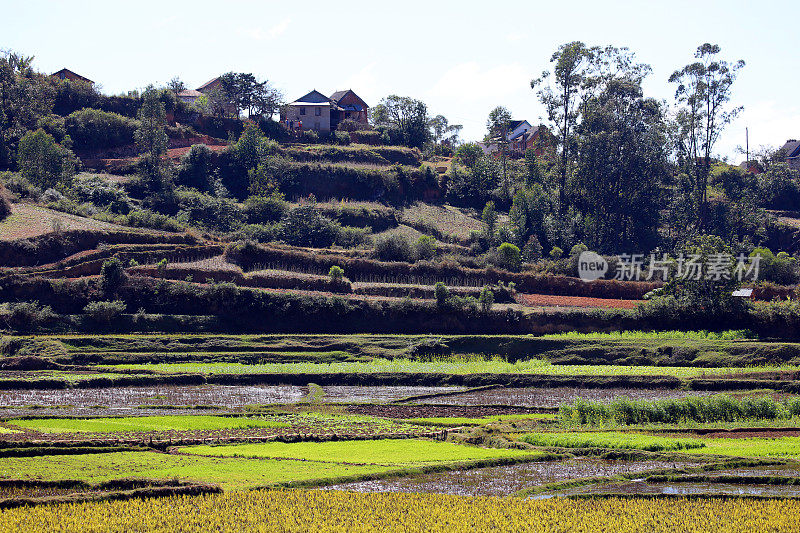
[(461, 57)]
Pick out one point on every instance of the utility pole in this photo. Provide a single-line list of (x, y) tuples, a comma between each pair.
[(747, 148)]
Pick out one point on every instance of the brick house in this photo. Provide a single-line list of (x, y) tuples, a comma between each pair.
[(190, 95), (522, 136), (315, 111), (66, 74)]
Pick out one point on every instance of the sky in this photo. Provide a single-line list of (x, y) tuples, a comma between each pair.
[(462, 58)]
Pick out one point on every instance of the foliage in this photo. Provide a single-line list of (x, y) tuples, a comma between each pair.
[(265, 209), (143, 423), (306, 226), (93, 129), (508, 256), (425, 248), (780, 268), (112, 275), (718, 408), (205, 210), (105, 312), (407, 115), (150, 135), (556, 253), (611, 440), (197, 169), (29, 316), (394, 247), (336, 274), (486, 299), (43, 161), (330, 511)]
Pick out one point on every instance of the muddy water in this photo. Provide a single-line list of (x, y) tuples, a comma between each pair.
[(505, 480), (554, 397), (125, 400), (642, 487)]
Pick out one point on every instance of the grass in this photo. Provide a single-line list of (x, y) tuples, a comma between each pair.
[(458, 365), (702, 335), (145, 423), (611, 439), (753, 447), (229, 472), (399, 452), (454, 421), (28, 221)]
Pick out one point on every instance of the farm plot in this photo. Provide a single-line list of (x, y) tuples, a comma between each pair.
[(28, 221), (555, 397), (644, 487), (324, 511), (507, 479), (143, 424)]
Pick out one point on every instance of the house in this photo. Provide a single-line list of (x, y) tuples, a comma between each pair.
[(521, 136), (66, 74), (315, 111), (792, 151), (348, 105), (190, 95)]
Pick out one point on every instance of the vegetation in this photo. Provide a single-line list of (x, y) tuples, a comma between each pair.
[(333, 511), (147, 423), (611, 440)]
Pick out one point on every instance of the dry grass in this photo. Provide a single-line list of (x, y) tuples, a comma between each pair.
[(446, 220), (28, 221)]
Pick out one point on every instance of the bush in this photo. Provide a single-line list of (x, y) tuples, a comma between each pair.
[(145, 218), (43, 161), (781, 268), (265, 209), (305, 226), (336, 274), (394, 247), (348, 125), (341, 138), (370, 137), (212, 212), (507, 256), (486, 299), (556, 253), (441, 293), (197, 168), (5, 204), (26, 316), (349, 237), (105, 312), (104, 194), (532, 251), (112, 275), (425, 247), (310, 137), (92, 129)]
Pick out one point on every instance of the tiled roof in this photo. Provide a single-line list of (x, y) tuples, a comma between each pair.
[(314, 97), (792, 148), (190, 92)]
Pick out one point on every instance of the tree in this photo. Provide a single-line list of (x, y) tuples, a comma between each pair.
[(621, 168), (444, 133), (489, 218), (43, 161), (468, 154), (560, 94), (498, 125), (151, 135), (508, 256), (486, 299), (112, 275), (408, 115), (704, 91), (176, 85)]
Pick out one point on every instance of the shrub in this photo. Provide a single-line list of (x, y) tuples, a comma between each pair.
[(336, 274), (104, 312), (350, 237), (532, 251), (43, 161), (507, 256), (425, 247), (781, 268), (25, 316), (311, 137), (486, 299), (441, 293), (5, 204), (370, 137), (144, 218), (394, 247), (112, 275), (556, 253), (92, 129), (305, 226), (104, 194), (264, 209), (341, 138), (348, 125), (197, 168), (197, 208)]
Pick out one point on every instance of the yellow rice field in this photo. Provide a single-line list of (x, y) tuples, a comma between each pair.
[(320, 511)]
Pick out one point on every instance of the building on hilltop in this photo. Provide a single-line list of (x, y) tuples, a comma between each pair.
[(520, 137), (792, 153), (315, 111), (66, 74)]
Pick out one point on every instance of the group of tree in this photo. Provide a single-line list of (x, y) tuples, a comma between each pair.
[(238, 92)]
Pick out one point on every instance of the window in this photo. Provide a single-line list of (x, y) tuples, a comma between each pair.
[(318, 111), (302, 110)]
